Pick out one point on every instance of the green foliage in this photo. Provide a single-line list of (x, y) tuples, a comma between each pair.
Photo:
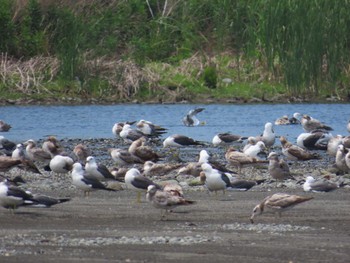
[(303, 44), (7, 28), (210, 77)]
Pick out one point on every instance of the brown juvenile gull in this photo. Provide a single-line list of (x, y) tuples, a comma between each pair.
[(239, 159), (142, 151), (7, 163), (284, 120), (296, 153), (159, 169), (278, 203), (123, 157), (318, 186), (81, 152), (27, 164), (190, 118), (227, 139), (278, 168), (35, 153), (135, 181), (4, 127), (52, 146), (165, 200), (332, 146), (310, 124)]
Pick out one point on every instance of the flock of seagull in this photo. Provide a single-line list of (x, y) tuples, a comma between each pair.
[(139, 163)]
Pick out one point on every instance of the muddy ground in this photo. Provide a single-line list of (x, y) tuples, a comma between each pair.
[(112, 227)]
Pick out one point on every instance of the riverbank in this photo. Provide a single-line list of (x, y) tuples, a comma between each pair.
[(111, 226), (68, 101)]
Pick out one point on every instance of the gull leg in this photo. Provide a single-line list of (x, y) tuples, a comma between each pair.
[(138, 199)]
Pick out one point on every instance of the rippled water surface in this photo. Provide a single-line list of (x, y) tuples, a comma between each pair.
[(96, 121)]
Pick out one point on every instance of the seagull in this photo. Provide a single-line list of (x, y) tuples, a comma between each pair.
[(347, 159), (98, 171), (47, 201), (295, 118), (81, 152), (52, 146), (315, 140), (226, 139), (348, 126), (332, 146), (4, 127), (278, 203), (309, 124), (177, 140), (129, 134), (318, 186), (268, 136), (84, 181), (12, 197), (6, 146), (194, 168), (296, 153), (142, 151), (150, 129), (214, 179), (123, 157), (7, 163), (135, 181), (159, 169), (284, 120), (340, 159), (165, 200), (190, 119), (256, 150), (27, 164), (204, 157), (61, 164), (278, 169), (35, 153), (118, 127), (239, 159)]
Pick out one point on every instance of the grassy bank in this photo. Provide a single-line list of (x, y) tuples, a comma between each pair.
[(173, 51)]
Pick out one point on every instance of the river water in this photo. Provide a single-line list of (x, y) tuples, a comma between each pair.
[(96, 121)]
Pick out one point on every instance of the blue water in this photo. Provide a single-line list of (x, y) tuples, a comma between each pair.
[(96, 121)]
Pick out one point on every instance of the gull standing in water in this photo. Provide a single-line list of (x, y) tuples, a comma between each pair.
[(278, 203), (190, 119)]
